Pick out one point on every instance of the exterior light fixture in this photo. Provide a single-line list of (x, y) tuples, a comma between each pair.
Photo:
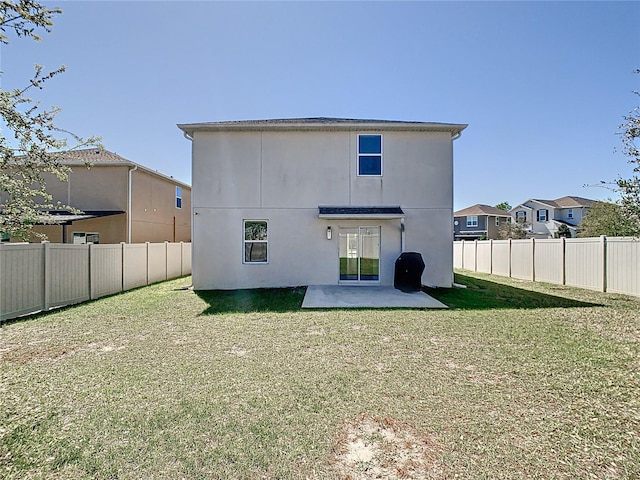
[(328, 233)]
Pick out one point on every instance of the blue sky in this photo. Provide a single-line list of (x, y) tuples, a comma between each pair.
[(542, 85)]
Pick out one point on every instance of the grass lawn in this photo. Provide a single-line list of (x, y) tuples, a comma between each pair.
[(517, 380)]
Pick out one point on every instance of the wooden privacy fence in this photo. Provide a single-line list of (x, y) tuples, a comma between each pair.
[(608, 264), (41, 276)]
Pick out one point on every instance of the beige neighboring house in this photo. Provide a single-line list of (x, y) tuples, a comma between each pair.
[(544, 217), (479, 222), (320, 201), (120, 200)]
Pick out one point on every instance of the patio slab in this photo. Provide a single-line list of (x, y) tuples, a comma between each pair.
[(342, 296)]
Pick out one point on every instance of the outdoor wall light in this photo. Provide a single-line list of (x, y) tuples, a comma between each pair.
[(328, 233)]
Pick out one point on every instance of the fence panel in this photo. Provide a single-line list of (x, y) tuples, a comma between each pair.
[(483, 256), (135, 266), (457, 254), (521, 259), (469, 255), (174, 260), (106, 269), (584, 263), (501, 256), (157, 263), (21, 279), (623, 265), (549, 260), (186, 259), (67, 270)]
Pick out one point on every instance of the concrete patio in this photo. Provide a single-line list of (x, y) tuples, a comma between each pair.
[(342, 296)]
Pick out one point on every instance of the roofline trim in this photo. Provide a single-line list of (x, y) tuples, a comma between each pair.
[(454, 129)]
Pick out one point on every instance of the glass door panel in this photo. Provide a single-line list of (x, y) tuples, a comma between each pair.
[(359, 252), (349, 254), (369, 254)]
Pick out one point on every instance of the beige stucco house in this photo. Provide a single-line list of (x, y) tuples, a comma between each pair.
[(320, 201), (120, 200)]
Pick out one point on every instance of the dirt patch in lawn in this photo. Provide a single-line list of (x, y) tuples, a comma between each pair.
[(372, 447)]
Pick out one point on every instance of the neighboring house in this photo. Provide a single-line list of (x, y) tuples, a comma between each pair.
[(320, 201), (120, 200), (544, 217), (479, 222)]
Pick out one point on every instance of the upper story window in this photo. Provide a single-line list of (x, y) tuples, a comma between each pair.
[(472, 221), (370, 155), (570, 213), (178, 197), (543, 215), (255, 241), (521, 216)]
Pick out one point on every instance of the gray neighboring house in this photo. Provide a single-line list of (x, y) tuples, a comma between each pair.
[(544, 217), (478, 222), (320, 201)]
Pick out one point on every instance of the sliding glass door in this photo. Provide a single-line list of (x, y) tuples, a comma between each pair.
[(360, 254)]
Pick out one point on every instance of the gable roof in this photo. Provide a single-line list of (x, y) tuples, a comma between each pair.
[(569, 201), (322, 123), (480, 209)]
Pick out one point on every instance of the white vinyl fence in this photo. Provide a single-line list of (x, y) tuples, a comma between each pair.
[(41, 276), (608, 264)]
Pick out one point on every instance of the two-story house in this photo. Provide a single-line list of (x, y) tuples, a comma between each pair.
[(544, 217), (320, 201), (120, 201), (479, 222)]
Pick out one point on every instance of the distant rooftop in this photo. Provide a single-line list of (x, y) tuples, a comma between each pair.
[(481, 209)]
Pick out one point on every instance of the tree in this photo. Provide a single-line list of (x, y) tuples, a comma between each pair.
[(563, 231), (35, 145), (504, 206), (607, 218), (629, 188), (515, 230)]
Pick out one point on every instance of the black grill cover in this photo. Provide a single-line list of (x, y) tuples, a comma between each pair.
[(408, 272)]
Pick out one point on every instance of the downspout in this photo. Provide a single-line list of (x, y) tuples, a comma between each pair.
[(131, 170)]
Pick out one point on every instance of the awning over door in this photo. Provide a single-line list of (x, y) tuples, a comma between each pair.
[(360, 212)]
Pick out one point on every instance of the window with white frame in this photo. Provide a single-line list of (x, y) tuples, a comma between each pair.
[(543, 215), (570, 213), (178, 197), (472, 221), (521, 216), (255, 241), (497, 221), (370, 155)]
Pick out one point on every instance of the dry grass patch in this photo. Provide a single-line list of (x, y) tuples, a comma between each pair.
[(373, 447)]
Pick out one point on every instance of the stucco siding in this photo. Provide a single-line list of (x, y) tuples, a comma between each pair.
[(227, 166), (284, 176)]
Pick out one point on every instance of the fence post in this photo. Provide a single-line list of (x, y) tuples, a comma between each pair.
[(533, 259), (475, 255), (90, 266), (563, 242), (462, 255), (148, 264), (509, 259), (181, 259), (124, 265), (46, 301), (603, 241), (491, 256)]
